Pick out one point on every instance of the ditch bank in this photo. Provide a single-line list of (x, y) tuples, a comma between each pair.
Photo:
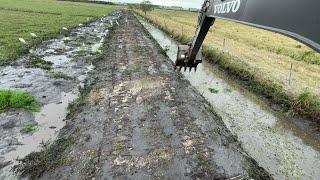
[(53, 72), (137, 118), (282, 146), (305, 104)]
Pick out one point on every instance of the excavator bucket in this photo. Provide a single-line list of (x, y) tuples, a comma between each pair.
[(183, 60)]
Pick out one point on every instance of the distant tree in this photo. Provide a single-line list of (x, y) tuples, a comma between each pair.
[(133, 6), (146, 6)]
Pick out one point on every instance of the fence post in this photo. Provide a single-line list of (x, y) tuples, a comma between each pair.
[(290, 74), (182, 30)]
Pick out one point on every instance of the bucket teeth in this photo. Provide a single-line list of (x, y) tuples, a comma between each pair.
[(180, 64)]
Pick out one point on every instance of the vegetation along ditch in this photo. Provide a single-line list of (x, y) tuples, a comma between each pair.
[(284, 76), (276, 142)]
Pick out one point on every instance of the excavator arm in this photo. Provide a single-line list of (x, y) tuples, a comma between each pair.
[(299, 19)]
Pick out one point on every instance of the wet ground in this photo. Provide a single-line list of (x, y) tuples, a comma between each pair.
[(286, 148), (138, 119), (55, 86)]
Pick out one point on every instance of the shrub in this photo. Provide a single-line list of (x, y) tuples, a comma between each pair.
[(307, 105)]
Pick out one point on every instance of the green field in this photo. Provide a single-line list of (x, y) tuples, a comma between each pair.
[(260, 58), (45, 18)]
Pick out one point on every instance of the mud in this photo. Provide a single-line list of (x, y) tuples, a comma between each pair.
[(286, 148), (71, 56), (138, 119)]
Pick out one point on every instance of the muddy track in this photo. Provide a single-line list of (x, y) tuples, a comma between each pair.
[(138, 119)]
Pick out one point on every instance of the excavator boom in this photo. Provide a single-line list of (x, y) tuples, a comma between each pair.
[(299, 19)]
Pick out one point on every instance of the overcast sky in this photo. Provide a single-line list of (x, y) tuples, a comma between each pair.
[(183, 3)]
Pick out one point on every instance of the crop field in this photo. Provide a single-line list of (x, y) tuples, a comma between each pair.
[(282, 67), (45, 18)]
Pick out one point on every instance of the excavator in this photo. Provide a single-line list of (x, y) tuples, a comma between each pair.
[(299, 19)]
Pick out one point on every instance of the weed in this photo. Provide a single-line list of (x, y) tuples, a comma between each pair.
[(89, 166), (310, 57), (75, 105), (98, 38), (216, 132), (59, 75), (18, 100), (29, 128), (254, 171), (135, 47), (38, 62), (135, 69), (307, 105), (119, 147), (51, 156), (228, 90), (81, 52), (152, 133), (166, 48), (213, 90), (204, 163)]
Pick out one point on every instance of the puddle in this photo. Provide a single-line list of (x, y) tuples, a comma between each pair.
[(53, 94), (49, 122), (284, 149)]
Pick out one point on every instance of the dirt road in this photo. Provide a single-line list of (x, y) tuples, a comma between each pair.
[(138, 119)]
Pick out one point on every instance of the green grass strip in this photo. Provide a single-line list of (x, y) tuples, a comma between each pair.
[(17, 100)]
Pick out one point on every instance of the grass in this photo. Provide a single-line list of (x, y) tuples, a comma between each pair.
[(135, 47), (307, 105), (59, 75), (213, 90), (38, 62), (45, 18), (260, 59), (17, 100), (51, 156), (29, 128), (228, 90), (135, 69)]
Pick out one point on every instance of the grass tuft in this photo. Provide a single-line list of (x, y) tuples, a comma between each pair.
[(29, 128), (307, 105), (213, 90), (59, 75), (228, 90), (135, 69), (18, 100), (38, 62), (51, 156)]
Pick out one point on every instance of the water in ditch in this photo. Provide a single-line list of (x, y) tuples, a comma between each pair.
[(70, 56), (287, 150)]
